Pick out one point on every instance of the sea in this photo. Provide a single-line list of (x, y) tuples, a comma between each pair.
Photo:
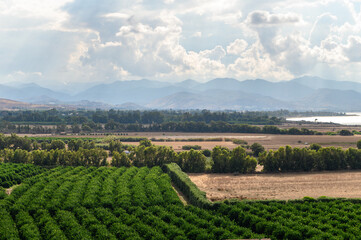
[(353, 118)]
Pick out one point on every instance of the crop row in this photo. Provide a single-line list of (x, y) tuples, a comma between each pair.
[(140, 203), (314, 219), (107, 203), (12, 173)]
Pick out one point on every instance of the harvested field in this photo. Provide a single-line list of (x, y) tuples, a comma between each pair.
[(346, 184), (269, 141)]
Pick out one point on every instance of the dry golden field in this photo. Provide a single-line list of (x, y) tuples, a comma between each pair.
[(269, 141), (346, 184)]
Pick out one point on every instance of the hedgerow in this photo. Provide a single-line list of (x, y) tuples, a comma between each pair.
[(183, 182)]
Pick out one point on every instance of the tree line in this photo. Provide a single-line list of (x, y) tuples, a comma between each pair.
[(315, 158), (112, 126), (135, 116), (77, 152)]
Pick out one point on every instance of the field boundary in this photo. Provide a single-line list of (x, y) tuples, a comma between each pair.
[(194, 195)]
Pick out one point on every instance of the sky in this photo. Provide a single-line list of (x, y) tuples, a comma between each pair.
[(89, 41)]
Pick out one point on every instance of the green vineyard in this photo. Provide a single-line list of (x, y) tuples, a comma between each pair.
[(141, 203)]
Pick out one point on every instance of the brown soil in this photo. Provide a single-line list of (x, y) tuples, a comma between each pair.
[(8, 191), (280, 186)]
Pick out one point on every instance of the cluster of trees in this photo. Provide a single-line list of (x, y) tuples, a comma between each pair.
[(316, 158), (15, 142), (237, 160), (59, 157), (185, 126)]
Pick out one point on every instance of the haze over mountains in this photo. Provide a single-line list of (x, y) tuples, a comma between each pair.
[(305, 93)]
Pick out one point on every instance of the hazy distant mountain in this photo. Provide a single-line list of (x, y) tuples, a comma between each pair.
[(139, 92), (317, 83), (129, 106), (305, 93), (332, 99), (218, 99), (287, 91), (31, 93)]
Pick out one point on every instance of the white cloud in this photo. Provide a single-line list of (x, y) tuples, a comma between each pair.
[(237, 47), (92, 40), (264, 18), (352, 49)]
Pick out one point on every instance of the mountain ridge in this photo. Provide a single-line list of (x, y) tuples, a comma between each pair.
[(306, 93)]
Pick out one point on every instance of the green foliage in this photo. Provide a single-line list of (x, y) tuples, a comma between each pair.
[(303, 159), (192, 161), (120, 160), (188, 188), (239, 141), (315, 146), (189, 147), (140, 203), (13, 173), (345, 132), (257, 149), (57, 144), (207, 152)]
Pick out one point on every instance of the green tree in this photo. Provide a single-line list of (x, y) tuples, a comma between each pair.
[(120, 160), (57, 144), (145, 143), (257, 149), (221, 159), (238, 160), (315, 146)]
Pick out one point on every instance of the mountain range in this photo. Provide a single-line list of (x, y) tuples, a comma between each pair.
[(305, 93)]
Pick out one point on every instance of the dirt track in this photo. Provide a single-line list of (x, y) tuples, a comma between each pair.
[(280, 186)]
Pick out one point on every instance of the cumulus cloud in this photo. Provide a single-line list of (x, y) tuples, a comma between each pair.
[(353, 49), (92, 40), (254, 64), (237, 47), (264, 18)]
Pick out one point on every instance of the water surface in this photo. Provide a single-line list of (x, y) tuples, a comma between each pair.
[(348, 119)]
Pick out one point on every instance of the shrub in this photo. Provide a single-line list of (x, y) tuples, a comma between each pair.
[(189, 147), (345, 132)]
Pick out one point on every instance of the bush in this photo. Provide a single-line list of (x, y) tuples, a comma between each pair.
[(189, 147), (345, 132), (239, 141)]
